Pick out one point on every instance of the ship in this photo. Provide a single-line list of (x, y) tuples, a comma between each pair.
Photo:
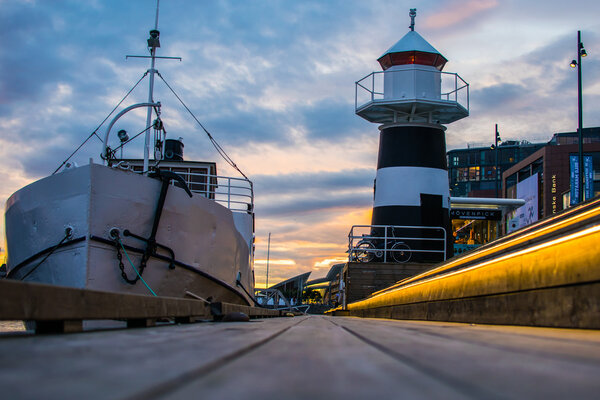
[(160, 227)]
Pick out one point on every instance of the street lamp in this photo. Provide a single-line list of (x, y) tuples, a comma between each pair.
[(495, 148), (577, 63)]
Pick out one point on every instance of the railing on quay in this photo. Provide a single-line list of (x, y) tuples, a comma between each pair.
[(391, 243), (452, 87)]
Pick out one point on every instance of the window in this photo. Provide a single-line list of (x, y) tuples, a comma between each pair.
[(473, 158), (473, 173), (488, 173)]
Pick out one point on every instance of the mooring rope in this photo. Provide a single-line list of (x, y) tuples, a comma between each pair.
[(134, 268)]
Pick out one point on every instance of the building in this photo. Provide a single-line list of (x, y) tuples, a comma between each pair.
[(546, 180), (540, 170), (472, 171)]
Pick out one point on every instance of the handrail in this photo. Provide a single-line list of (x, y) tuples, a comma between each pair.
[(376, 245), (369, 87), (237, 194)]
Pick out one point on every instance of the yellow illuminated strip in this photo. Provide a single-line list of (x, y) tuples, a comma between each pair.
[(502, 246), (566, 260)]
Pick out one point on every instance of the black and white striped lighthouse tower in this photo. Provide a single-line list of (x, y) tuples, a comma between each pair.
[(411, 99)]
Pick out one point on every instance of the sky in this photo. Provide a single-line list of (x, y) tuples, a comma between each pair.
[(274, 83)]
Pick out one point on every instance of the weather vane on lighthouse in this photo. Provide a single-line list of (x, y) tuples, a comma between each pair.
[(411, 210), (412, 14)]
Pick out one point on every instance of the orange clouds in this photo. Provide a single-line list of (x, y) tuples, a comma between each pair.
[(457, 12)]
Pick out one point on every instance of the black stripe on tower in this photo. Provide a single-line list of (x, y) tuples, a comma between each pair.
[(412, 146), (416, 147)]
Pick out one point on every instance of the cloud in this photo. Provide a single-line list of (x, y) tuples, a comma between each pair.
[(458, 13), (273, 82), (497, 96), (305, 204), (322, 180)]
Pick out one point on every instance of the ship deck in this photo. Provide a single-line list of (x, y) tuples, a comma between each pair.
[(304, 357)]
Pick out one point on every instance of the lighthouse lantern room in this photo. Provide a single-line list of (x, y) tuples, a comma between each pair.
[(411, 98)]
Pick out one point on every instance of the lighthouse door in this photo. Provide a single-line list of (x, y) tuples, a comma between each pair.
[(431, 210)]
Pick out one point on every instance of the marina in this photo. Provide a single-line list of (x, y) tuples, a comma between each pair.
[(136, 277)]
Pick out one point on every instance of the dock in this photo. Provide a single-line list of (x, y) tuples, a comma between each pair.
[(305, 357), (429, 336)]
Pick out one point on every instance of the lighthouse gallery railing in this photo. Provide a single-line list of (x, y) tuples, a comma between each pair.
[(371, 88)]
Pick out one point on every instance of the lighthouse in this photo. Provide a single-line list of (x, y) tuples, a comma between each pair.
[(411, 100)]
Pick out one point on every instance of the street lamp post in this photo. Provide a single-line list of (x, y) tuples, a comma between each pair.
[(268, 254), (577, 63), (497, 139)]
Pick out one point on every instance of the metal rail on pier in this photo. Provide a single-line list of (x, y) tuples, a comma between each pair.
[(394, 243)]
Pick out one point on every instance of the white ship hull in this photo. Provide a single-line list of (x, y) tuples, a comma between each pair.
[(91, 201)]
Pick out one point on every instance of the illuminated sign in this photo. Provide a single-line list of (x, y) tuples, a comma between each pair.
[(553, 191), (466, 213), (588, 178)]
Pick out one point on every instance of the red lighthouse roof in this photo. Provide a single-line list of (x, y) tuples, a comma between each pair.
[(412, 49)]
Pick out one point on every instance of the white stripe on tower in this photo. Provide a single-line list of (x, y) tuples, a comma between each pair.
[(402, 186)]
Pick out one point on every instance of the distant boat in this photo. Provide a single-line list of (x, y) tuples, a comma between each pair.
[(165, 227)]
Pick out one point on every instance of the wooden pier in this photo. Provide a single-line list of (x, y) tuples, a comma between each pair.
[(304, 357), (57, 309)]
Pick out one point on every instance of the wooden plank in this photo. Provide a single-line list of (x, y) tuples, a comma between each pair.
[(124, 363), (492, 362), (219, 310), (34, 301), (304, 357), (59, 326), (314, 359)]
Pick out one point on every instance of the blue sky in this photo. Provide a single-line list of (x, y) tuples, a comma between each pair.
[(273, 81)]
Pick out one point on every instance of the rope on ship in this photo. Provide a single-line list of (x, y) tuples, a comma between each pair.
[(176, 263), (95, 131), (118, 239), (48, 251), (216, 145)]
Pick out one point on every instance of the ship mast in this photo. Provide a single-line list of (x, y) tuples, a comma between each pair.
[(153, 43)]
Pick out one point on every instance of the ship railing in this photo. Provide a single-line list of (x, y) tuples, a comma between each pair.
[(395, 243), (237, 194), (422, 84)]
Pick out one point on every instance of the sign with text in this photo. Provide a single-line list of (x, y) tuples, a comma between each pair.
[(588, 185), (527, 190), (466, 213)]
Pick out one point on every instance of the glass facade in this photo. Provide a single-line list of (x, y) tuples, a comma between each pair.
[(472, 233), (472, 172)]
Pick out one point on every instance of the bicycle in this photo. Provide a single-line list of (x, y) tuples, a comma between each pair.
[(365, 252), (401, 252)]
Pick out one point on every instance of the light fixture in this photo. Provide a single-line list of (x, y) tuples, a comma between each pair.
[(122, 134), (583, 53), (573, 64)]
